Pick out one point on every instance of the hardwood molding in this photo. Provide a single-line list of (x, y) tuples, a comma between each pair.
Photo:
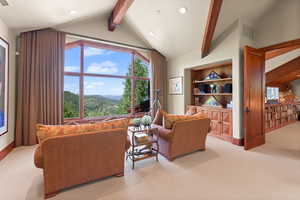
[(118, 13), (238, 142), (7, 150), (212, 19), (278, 52), (281, 45)]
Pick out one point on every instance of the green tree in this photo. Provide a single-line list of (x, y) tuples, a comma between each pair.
[(141, 89)]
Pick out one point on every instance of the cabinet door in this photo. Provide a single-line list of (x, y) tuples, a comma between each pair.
[(227, 124), (216, 124)]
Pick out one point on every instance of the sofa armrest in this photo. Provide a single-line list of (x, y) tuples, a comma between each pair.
[(74, 159)]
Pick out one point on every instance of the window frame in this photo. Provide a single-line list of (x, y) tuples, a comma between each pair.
[(81, 74)]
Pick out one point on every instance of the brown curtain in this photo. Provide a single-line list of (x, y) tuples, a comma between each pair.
[(40, 83), (159, 79)]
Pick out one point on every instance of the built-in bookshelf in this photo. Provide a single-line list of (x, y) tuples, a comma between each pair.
[(218, 97)]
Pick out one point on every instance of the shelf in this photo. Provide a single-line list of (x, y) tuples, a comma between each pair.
[(213, 94), (215, 80), (144, 156)]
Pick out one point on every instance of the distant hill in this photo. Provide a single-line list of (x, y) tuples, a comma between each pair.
[(94, 105), (113, 97)]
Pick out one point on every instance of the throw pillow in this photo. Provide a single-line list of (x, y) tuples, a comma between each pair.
[(191, 111), (170, 119)]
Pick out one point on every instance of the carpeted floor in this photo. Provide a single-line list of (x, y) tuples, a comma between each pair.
[(223, 171)]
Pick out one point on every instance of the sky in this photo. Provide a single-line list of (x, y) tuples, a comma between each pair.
[(99, 61)]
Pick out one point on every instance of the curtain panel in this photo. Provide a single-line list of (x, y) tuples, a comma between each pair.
[(158, 81), (40, 83)]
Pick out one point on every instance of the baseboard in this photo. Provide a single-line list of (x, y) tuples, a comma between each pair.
[(238, 142), (7, 150)]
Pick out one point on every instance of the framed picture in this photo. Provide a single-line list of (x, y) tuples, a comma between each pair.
[(3, 86), (176, 85)]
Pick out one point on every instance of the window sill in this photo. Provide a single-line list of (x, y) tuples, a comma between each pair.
[(99, 119)]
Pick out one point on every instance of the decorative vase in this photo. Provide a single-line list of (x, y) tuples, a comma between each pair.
[(146, 120), (136, 122)]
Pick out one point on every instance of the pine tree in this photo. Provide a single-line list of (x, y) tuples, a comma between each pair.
[(141, 89)]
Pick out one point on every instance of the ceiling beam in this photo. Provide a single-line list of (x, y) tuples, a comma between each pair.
[(285, 73), (212, 19), (278, 52), (118, 13)]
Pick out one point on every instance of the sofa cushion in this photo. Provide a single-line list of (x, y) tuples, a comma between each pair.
[(45, 131), (38, 158), (163, 133)]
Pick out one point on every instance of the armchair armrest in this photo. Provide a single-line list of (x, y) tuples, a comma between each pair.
[(189, 136)]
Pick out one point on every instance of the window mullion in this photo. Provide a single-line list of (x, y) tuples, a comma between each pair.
[(81, 93), (133, 84)]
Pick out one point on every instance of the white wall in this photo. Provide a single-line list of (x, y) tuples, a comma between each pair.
[(275, 62), (225, 47), (10, 37), (279, 24), (97, 27)]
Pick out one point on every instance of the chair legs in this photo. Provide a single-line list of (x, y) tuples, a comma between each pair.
[(50, 195), (120, 174)]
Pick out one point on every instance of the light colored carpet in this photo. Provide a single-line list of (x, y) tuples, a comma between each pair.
[(223, 171)]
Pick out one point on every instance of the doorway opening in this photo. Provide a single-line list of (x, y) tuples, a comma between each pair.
[(266, 107)]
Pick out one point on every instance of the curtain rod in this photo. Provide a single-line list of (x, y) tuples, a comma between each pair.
[(107, 41)]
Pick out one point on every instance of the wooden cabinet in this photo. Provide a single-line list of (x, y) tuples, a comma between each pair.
[(279, 115), (221, 121)]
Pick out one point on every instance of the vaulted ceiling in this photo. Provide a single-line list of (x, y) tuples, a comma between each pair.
[(158, 22)]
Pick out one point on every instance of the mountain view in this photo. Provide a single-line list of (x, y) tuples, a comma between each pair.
[(99, 99), (94, 105)]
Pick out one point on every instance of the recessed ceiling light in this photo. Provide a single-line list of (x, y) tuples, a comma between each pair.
[(182, 10), (73, 12), (151, 34)]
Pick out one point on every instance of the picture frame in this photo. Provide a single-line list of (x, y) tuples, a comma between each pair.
[(176, 85), (4, 67)]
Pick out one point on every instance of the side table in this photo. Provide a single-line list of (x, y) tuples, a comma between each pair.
[(144, 149)]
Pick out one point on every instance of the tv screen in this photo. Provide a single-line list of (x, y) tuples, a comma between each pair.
[(272, 93)]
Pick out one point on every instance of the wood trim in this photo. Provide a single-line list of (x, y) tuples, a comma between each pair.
[(105, 46), (7, 150), (212, 19), (105, 75), (81, 84), (118, 13), (142, 57), (238, 142), (281, 45), (278, 52)]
